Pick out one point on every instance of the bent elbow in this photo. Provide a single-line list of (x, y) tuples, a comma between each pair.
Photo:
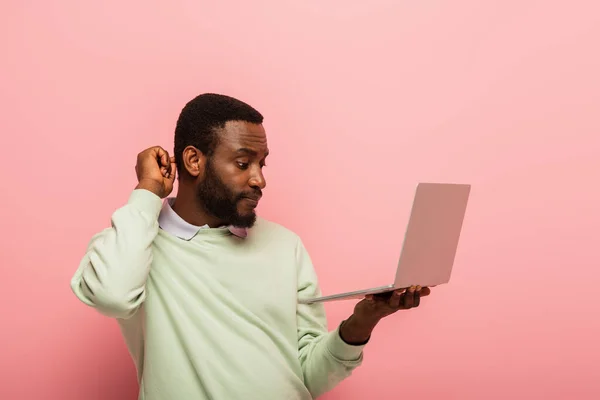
[(110, 303), (117, 305)]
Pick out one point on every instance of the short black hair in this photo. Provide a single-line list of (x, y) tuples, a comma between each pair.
[(200, 119)]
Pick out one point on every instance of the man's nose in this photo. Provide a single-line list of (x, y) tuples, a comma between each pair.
[(258, 180)]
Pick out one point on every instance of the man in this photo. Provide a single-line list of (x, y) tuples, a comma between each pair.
[(206, 294)]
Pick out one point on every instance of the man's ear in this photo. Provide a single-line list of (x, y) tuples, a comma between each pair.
[(194, 161)]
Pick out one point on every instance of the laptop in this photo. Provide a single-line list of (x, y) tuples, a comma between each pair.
[(430, 241)]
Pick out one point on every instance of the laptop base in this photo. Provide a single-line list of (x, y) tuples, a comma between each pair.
[(358, 294)]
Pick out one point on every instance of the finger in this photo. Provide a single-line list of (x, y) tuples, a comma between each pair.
[(409, 298), (417, 298), (396, 297), (369, 298), (425, 292), (162, 157), (172, 172)]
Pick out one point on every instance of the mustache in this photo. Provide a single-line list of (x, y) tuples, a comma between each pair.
[(254, 195)]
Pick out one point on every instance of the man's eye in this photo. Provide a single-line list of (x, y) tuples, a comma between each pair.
[(242, 165)]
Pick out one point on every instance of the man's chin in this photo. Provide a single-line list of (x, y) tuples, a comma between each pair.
[(244, 220)]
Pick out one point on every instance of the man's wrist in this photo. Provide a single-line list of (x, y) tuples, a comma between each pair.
[(151, 186), (356, 330)]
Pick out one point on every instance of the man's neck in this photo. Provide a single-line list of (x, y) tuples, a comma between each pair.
[(187, 207)]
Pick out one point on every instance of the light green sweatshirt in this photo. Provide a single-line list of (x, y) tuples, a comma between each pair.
[(214, 317)]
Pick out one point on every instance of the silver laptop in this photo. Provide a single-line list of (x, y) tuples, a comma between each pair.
[(430, 242)]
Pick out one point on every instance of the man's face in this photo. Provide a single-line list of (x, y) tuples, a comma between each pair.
[(233, 178)]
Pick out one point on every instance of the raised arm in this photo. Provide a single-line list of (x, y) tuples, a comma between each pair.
[(112, 275)]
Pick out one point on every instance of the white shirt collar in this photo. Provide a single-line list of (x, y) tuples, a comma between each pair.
[(171, 222)]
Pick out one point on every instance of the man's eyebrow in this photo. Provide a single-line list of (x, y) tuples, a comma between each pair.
[(251, 152)]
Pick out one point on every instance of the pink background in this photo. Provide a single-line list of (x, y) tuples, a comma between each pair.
[(362, 101)]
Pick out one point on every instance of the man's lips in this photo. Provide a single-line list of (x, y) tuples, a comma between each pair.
[(252, 200)]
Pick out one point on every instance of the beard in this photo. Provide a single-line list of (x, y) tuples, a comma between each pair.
[(222, 202)]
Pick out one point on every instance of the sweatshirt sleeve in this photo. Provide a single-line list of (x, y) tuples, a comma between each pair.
[(325, 358), (112, 275)]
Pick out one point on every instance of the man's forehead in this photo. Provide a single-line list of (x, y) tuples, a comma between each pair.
[(244, 136)]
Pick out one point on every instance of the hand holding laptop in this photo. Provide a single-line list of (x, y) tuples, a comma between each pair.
[(381, 305), (374, 307)]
